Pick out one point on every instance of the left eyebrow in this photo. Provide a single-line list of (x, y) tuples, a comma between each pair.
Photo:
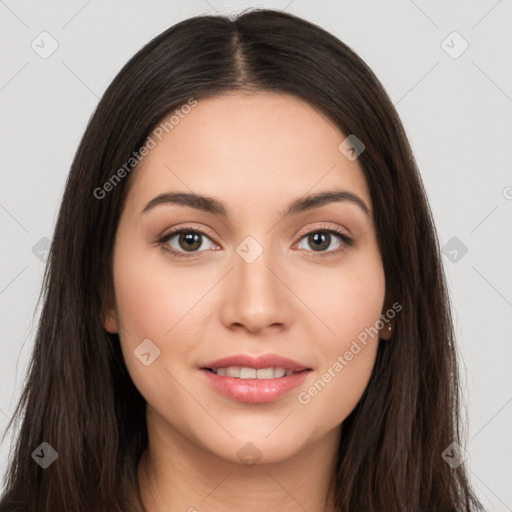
[(216, 207), (321, 198)]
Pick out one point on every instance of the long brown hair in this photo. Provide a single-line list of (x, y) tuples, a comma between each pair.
[(78, 396)]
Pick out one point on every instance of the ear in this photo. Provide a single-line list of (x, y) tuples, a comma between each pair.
[(110, 322), (109, 318), (385, 333)]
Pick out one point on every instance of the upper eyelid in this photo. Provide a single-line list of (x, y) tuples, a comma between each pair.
[(180, 229), (325, 226)]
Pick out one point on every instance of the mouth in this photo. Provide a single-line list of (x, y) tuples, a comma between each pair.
[(245, 372), (244, 366), (254, 380)]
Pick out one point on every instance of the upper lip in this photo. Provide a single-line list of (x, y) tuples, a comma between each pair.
[(257, 362)]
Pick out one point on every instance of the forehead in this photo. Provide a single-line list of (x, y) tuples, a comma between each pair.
[(247, 146)]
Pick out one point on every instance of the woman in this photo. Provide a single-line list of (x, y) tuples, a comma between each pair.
[(244, 303)]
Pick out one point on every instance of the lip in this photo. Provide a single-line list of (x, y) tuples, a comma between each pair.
[(255, 391), (258, 362)]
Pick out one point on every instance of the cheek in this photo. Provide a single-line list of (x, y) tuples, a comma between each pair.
[(145, 305), (347, 363), (152, 302), (160, 302), (347, 299), (152, 297), (350, 305), (339, 386)]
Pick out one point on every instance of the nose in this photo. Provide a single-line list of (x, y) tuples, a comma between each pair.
[(256, 296)]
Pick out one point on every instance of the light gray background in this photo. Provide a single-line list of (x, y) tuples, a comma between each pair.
[(456, 111)]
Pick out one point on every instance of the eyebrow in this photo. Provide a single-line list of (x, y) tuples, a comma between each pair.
[(302, 204)]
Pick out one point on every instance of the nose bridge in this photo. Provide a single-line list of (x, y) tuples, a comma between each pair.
[(252, 274), (257, 297)]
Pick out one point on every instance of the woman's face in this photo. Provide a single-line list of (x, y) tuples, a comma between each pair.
[(248, 277)]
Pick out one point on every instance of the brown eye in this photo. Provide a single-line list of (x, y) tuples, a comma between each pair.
[(320, 240), (185, 242), (189, 241)]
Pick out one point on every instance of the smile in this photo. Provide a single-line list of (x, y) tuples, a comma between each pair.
[(244, 372)]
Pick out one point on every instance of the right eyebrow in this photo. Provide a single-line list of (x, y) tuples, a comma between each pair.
[(204, 203)]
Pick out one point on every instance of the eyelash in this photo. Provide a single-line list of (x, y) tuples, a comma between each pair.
[(346, 242)]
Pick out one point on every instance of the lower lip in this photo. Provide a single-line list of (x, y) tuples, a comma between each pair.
[(255, 391)]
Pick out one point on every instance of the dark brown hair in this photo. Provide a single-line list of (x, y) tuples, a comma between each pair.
[(78, 395)]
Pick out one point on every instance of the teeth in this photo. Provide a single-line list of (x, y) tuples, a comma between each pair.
[(268, 373), (279, 372), (247, 373), (243, 372), (233, 371)]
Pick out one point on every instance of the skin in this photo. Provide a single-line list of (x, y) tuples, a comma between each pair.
[(255, 152)]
